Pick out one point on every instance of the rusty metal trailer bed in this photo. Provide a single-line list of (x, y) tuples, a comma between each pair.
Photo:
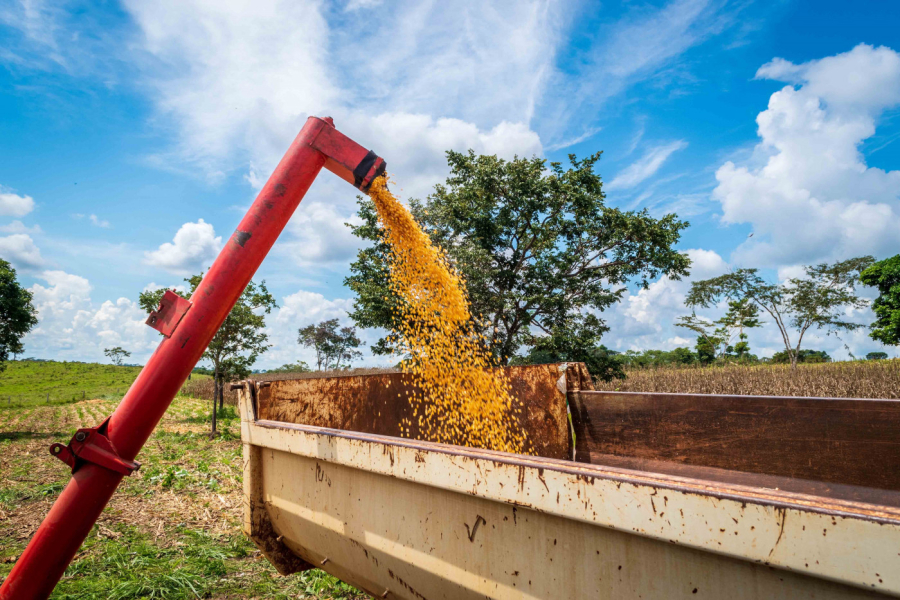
[(629, 496)]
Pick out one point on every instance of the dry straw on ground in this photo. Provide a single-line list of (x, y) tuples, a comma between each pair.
[(851, 379)]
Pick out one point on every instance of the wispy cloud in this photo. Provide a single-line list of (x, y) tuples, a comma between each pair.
[(637, 137), (576, 140), (19, 227), (645, 167), (626, 53), (98, 222), (14, 205)]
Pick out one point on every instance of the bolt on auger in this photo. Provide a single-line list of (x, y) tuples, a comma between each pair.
[(100, 457)]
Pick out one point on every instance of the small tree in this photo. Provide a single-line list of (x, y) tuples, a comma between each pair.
[(717, 335), (117, 354), (885, 276), (18, 315), (707, 350), (876, 356), (239, 341), (741, 315), (538, 247), (816, 301), (712, 338), (334, 345)]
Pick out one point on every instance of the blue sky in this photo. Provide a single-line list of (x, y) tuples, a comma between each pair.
[(134, 134)]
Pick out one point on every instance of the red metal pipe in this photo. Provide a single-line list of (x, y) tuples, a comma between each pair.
[(71, 517)]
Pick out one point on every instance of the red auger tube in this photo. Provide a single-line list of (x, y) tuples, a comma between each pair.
[(103, 455)]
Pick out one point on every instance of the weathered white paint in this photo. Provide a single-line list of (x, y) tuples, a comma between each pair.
[(397, 515)]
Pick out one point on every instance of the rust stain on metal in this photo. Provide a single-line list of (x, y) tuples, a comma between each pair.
[(378, 403), (817, 446), (782, 518)]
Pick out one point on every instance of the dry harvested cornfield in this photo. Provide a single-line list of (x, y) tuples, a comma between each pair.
[(851, 379)]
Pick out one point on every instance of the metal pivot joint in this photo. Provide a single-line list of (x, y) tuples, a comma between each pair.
[(91, 445)]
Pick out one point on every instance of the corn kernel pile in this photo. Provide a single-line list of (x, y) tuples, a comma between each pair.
[(461, 399)]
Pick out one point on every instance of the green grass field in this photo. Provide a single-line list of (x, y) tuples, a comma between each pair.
[(28, 383), (173, 528)]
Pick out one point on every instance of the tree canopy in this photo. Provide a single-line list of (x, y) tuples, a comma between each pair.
[(239, 341), (18, 315), (817, 301), (803, 356), (335, 346), (117, 354), (715, 337), (540, 251), (885, 276)]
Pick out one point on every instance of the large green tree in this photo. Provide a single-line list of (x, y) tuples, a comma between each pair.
[(885, 276), (541, 252), (817, 301), (17, 314), (239, 341)]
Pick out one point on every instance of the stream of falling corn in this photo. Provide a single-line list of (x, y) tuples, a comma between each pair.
[(461, 399)]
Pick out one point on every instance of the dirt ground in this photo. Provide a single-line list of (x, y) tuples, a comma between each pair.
[(173, 528)]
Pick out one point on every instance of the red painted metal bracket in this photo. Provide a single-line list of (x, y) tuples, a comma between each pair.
[(172, 309), (91, 445)]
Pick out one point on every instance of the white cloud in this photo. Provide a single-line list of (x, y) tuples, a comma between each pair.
[(304, 308), (238, 80), (66, 293), (194, 248), (234, 73), (414, 145), (19, 227), (646, 317), (13, 205), (295, 311), (20, 250), (646, 166), (815, 198), (588, 134), (71, 327), (318, 236), (354, 5), (97, 222), (153, 286)]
